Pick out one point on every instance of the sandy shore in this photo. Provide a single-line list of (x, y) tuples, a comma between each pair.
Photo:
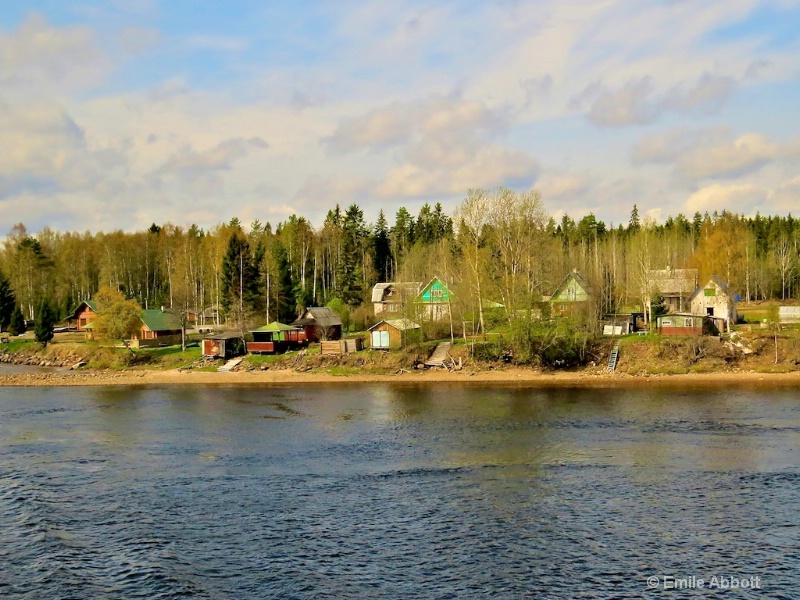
[(521, 377)]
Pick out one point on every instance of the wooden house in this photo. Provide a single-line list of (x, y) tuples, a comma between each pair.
[(276, 337), (160, 327), (390, 334), (320, 323), (714, 299), (84, 314), (393, 297), (224, 345), (675, 286), (573, 291), (433, 302)]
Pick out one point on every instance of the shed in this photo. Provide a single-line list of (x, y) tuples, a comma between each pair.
[(689, 324), (276, 337), (320, 323), (224, 345), (390, 334)]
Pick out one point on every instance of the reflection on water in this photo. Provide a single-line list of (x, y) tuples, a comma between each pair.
[(393, 491)]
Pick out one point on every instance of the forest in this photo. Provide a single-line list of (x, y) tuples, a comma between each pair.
[(498, 246)]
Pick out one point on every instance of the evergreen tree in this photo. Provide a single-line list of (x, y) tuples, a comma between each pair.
[(634, 225), (382, 251), (354, 232), (283, 291), (239, 284), (17, 324), (7, 302), (45, 321)]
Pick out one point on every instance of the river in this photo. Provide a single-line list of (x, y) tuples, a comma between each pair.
[(382, 491)]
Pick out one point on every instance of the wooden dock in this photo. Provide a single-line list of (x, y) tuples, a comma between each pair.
[(234, 362), (439, 355)]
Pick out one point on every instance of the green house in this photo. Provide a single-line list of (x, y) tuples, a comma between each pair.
[(434, 300), (574, 290)]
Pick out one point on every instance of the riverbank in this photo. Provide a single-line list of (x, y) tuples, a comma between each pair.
[(509, 376)]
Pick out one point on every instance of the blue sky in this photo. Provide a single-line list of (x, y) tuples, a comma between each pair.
[(117, 114)]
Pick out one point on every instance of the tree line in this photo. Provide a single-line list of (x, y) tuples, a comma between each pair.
[(499, 247)]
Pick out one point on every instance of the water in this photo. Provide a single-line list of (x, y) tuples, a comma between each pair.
[(395, 492)]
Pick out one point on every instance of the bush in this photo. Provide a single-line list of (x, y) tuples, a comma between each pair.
[(558, 343)]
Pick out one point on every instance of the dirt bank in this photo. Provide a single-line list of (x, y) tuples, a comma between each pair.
[(510, 376)]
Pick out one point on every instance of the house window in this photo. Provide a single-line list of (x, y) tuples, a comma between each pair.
[(710, 293), (689, 322), (436, 293), (666, 322)]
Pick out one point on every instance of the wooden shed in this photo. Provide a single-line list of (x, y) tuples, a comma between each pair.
[(390, 334), (224, 345), (320, 323), (689, 324), (276, 337), (160, 327)]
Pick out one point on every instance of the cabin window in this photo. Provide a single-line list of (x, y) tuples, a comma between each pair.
[(436, 293), (710, 293), (689, 322), (666, 322)]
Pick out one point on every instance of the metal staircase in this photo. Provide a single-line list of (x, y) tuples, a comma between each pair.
[(613, 357)]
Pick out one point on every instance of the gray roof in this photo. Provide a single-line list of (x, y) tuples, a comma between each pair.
[(719, 283), (408, 289), (400, 324), (580, 278), (321, 316), (673, 282)]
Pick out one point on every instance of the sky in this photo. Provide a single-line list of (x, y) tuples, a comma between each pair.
[(118, 114)]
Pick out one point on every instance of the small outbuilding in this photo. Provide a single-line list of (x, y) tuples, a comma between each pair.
[(224, 345), (689, 324), (276, 337), (320, 323), (390, 334)]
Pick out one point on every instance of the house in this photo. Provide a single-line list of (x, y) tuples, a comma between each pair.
[(433, 302), (392, 297), (675, 286), (714, 299), (573, 291), (160, 327), (390, 334), (688, 324), (224, 345), (276, 337), (83, 314), (320, 323)]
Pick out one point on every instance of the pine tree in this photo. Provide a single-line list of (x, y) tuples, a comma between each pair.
[(7, 302), (239, 284), (634, 224), (283, 292), (382, 251), (17, 324), (45, 320)]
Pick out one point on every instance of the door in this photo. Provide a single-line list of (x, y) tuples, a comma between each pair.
[(380, 339)]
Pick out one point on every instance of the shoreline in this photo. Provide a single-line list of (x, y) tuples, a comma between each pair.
[(517, 377)]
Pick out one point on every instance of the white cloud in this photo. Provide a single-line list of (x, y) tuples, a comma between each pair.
[(736, 197)]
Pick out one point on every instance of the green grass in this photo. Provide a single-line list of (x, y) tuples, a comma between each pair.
[(18, 344)]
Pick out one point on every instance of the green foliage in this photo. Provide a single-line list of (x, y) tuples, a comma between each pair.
[(45, 321), (342, 311), (240, 282), (7, 302), (16, 325), (558, 343), (117, 318)]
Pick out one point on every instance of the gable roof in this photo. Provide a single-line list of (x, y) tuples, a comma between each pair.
[(90, 303), (276, 326), (406, 288), (579, 278), (321, 316), (400, 324), (159, 320), (716, 281), (446, 295), (225, 335)]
